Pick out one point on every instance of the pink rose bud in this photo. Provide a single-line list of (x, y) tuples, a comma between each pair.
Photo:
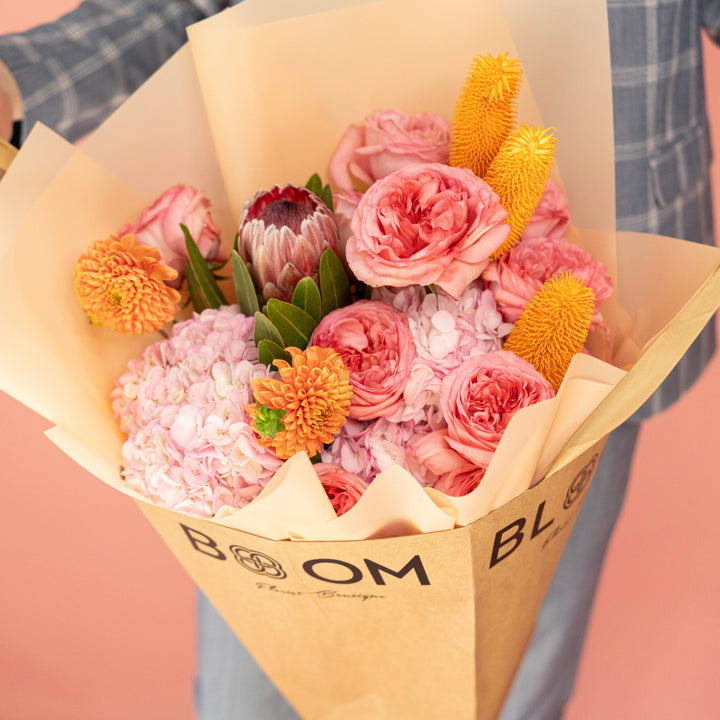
[(342, 487), (283, 233), (426, 225), (387, 141), (376, 345), (159, 226)]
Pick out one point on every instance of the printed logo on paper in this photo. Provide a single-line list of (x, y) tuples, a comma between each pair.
[(580, 482), (258, 562)]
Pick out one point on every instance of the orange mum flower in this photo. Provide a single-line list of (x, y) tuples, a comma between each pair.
[(121, 286), (314, 393)]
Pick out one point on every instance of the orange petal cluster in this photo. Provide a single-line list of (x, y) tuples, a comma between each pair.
[(518, 174), (316, 393), (121, 286), (553, 326), (485, 111)]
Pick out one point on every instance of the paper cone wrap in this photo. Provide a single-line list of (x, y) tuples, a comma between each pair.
[(413, 604)]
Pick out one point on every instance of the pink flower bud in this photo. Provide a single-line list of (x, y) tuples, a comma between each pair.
[(283, 233)]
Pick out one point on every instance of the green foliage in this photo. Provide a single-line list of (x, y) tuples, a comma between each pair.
[(269, 420), (334, 283), (293, 323), (244, 287), (307, 297), (324, 192), (202, 286)]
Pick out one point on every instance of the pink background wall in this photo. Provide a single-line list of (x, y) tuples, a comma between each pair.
[(96, 616)]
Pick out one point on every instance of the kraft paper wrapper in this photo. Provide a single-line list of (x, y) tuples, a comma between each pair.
[(258, 98)]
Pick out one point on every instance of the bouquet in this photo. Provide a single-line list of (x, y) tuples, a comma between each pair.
[(448, 555)]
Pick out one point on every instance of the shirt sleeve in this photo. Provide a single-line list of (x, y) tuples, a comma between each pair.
[(72, 73), (711, 19)]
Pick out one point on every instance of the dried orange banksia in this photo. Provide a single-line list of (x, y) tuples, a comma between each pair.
[(553, 326), (485, 112), (519, 174)]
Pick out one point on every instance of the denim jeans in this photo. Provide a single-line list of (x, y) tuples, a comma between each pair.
[(231, 686)]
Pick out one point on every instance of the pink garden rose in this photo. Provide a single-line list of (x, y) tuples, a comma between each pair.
[(374, 341), (478, 400), (426, 225), (521, 272), (552, 215), (342, 487), (159, 226), (387, 141), (461, 481)]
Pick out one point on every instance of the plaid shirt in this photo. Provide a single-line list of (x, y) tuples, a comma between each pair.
[(74, 72)]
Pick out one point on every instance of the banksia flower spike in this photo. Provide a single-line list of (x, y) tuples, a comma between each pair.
[(519, 174), (553, 326), (305, 408), (485, 112), (122, 286)]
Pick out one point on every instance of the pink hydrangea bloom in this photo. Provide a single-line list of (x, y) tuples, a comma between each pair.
[(190, 446), (445, 332), (521, 271), (367, 448)]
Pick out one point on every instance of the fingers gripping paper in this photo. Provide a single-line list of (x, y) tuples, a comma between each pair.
[(354, 621)]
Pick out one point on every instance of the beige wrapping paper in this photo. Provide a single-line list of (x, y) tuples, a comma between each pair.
[(408, 606)]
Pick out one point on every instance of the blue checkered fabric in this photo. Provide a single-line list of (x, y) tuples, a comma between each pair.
[(75, 71), (662, 142)]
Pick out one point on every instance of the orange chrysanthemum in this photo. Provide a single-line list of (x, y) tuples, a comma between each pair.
[(553, 326), (121, 286), (314, 392), (519, 174), (485, 112)]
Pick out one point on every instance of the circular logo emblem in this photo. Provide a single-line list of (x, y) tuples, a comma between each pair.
[(580, 482), (258, 562)]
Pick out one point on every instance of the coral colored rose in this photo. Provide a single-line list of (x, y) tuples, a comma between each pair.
[(425, 225), (387, 141), (374, 341), (521, 272), (461, 481), (159, 226), (552, 215), (478, 400), (342, 487)]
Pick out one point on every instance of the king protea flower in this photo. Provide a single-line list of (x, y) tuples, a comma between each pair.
[(283, 233)]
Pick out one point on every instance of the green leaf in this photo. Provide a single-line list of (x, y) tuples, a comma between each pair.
[(265, 330), (244, 288), (269, 420), (334, 283), (314, 184), (307, 297), (206, 283), (268, 352), (197, 299), (327, 198), (295, 325)]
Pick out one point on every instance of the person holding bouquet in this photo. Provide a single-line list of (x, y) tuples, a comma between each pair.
[(74, 72)]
